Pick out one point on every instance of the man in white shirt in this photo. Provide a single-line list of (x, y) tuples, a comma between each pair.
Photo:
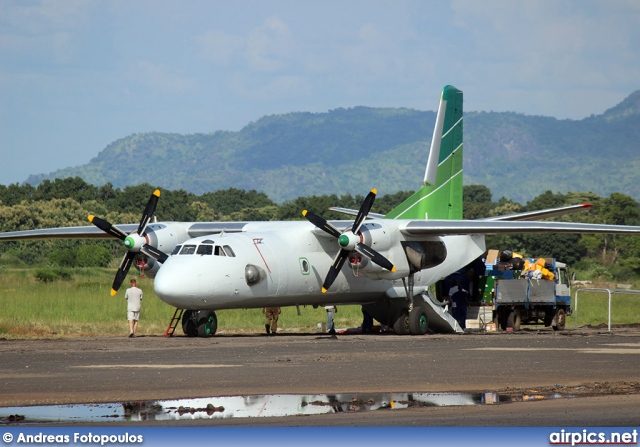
[(134, 296)]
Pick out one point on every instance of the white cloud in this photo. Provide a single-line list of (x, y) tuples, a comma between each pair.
[(269, 47), (545, 52)]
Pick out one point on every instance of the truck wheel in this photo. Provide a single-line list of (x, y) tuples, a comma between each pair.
[(496, 321), (548, 319), (513, 321), (561, 319), (501, 320)]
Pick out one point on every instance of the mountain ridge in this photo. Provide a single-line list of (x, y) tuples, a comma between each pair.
[(353, 150)]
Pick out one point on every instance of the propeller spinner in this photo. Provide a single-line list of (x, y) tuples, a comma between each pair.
[(135, 242), (349, 240)]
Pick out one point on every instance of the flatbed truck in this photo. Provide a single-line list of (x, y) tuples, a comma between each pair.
[(526, 300)]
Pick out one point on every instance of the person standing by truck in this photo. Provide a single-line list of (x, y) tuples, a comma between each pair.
[(459, 304)]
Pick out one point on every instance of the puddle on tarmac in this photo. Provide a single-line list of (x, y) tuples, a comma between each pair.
[(249, 406)]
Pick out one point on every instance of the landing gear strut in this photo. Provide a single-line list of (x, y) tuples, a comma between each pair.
[(409, 290), (412, 320)]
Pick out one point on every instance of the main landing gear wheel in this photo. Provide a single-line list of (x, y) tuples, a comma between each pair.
[(418, 324), (561, 319), (207, 324), (401, 325)]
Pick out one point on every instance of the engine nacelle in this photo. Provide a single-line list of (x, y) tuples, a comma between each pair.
[(147, 266), (373, 235), (424, 254), (165, 236)]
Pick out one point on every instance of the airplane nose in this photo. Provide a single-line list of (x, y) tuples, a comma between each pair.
[(173, 284)]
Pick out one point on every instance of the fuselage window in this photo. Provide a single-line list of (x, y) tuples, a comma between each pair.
[(219, 251), (188, 250), (229, 251), (176, 250), (205, 250)]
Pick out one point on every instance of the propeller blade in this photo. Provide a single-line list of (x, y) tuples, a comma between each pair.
[(154, 253), (321, 223), (364, 210), (148, 211), (107, 227), (375, 257), (338, 262), (125, 265)]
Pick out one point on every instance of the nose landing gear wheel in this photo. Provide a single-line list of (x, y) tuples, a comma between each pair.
[(188, 325), (207, 324)]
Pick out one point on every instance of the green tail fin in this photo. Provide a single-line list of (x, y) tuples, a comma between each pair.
[(441, 194)]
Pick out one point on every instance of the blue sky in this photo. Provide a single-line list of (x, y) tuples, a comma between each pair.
[(76, 75)]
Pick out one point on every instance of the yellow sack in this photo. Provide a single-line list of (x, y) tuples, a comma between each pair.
[(546, 274)]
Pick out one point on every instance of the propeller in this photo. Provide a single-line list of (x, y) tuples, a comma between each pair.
[(135, 242), (349, 240)]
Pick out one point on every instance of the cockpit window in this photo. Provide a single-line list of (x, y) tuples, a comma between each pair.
[(219, 251), (176, 250), (229, 251), (188, 250), (205, 250)]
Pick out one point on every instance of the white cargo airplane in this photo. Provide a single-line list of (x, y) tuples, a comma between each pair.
[(391, 260)]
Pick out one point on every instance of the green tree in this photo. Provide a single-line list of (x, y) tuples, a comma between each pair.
[(618, 209), (64, 257), (231, 200), (476, 202), (93, 256)]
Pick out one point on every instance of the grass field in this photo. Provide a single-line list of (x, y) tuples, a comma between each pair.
[(81, 306)]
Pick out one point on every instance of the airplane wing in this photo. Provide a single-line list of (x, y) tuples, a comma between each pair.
[(461, 227), (529, 215), (194, 229), (88, 232), (351, 212), (542, 214)]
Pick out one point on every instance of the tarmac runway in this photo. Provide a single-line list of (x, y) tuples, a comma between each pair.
[(597, 368)]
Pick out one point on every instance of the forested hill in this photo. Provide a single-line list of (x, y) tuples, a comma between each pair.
[(354, 150)]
